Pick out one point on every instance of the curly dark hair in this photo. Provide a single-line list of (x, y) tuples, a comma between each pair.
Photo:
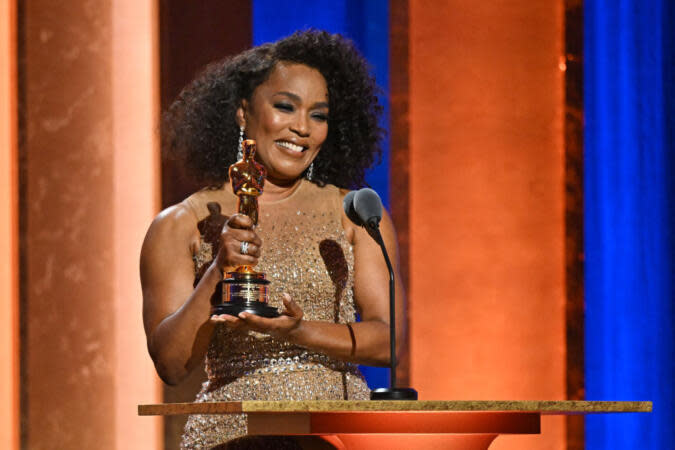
[(200, 127)]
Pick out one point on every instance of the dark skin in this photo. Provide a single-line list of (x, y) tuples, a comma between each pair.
[(287, 116)]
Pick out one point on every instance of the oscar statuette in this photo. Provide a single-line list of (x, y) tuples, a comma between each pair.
[(244, 289)]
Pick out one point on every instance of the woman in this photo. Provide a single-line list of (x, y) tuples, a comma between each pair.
[(309, 103)]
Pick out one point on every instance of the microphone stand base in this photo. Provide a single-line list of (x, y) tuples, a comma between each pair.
[(393, 394)]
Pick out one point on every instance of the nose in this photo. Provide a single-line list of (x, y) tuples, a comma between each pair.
[(301, 125)]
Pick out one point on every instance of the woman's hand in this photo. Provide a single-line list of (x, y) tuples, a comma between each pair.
[(238, 229), (281, 327)]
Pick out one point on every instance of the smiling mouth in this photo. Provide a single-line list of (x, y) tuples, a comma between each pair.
[(291, 146)]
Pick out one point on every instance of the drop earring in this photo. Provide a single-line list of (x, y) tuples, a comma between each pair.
[(310, 172), (240, 152)]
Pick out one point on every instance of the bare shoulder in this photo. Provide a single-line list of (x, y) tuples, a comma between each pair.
[(348, 226), (179, 217), (176, 224), (387, 224), (343, 192)]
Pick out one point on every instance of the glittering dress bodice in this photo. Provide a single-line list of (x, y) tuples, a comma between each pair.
[(305, 253)]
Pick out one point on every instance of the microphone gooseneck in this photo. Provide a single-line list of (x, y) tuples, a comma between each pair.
[(364, 208)]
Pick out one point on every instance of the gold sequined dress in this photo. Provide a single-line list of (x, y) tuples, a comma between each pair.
[(306, 254)]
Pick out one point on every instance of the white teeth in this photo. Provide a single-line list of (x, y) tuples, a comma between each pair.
[(290, 146)]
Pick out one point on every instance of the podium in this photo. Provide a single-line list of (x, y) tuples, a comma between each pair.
[(397, 424)]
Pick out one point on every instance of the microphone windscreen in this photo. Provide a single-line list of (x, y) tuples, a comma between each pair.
[(348, 206), (368, 205)]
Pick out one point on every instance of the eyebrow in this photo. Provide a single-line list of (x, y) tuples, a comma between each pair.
[(299, 100)]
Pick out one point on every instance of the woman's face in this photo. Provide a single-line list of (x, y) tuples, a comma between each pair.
[(288, 117)]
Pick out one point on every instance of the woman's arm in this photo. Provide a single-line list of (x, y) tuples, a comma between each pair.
[(176, 314), (371, 292)]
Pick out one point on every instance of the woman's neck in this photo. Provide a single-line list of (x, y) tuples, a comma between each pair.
[(274, 190)]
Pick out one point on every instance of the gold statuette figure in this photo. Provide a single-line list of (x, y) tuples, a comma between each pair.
[(245, 289), (248, 178)]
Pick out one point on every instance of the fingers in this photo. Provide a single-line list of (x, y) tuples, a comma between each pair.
[(280, 327), (292, 308), (251, 250), (258, 323), (235, 247), (242, 236), (231, 322), (244, 321), (240, 221), (237, 230), (232, 256)]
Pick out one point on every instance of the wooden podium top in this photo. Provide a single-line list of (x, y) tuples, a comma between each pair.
[(530, 406)]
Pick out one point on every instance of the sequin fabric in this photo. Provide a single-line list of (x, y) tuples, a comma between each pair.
[(305, 253)]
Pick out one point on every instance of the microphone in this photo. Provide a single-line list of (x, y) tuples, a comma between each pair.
[(348, 206), (368, 206), (364, 208)]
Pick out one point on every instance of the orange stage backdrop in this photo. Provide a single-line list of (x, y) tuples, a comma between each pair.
[(89, 182), (486, 204), (485, 234)]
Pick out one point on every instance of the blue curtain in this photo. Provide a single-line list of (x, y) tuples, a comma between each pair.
[(629, 197), (366, 23)]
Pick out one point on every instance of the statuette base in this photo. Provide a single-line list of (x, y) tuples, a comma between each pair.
[(245, 291)]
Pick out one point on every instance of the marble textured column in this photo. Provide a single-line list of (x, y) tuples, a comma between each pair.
[(487, 287), (88, 193), (9, 298), (67, 226), (136, 200)]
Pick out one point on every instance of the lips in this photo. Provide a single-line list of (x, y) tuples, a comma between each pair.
[(291, 146)]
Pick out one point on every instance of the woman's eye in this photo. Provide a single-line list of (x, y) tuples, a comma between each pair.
[(321, 117), (283, 106)]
